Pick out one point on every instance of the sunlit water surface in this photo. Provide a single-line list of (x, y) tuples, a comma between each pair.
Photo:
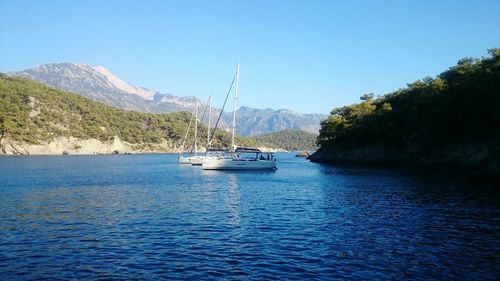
[(146, 217)]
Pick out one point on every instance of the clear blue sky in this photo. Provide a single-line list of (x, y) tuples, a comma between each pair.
[(307, 56)]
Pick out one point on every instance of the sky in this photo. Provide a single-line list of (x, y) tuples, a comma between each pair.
[(308, 56)]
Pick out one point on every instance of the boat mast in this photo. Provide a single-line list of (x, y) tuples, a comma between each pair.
[(234, 104), (187, 132), (195, 126), (208, 127)]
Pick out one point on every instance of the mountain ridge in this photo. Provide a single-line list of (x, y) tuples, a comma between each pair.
[(100, 84)]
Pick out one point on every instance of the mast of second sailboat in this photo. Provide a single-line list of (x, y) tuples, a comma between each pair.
[(234, 105), (195, 126), (208, 125)]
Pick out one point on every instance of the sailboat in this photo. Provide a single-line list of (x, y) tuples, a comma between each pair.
[(240, 158), (188, 159), (197, 160)]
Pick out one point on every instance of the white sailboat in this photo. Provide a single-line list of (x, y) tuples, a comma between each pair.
[(182, 159), (240, 158), (188, 159), (197, 160)]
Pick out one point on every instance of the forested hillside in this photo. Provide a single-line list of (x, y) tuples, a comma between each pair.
[(453, 118), (291, 140), (33, 113)]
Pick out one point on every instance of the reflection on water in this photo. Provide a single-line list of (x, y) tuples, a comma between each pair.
[(233, 201), (144, 216)]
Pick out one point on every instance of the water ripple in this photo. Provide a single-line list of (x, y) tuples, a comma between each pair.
[(144, 217)]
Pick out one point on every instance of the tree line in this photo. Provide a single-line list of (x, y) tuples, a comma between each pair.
[(462, 104)]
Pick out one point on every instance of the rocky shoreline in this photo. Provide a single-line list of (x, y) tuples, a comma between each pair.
[(75, 146), (71, 145), (479, 161)]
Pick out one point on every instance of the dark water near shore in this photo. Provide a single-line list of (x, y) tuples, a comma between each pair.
[(145, 217)]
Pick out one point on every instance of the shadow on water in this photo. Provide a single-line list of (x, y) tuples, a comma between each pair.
[(442, 179), (421, 217)]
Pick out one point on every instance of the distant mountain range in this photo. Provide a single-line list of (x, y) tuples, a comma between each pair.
[(98, 83)]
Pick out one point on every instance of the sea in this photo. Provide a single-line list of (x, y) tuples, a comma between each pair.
[(145, 217)]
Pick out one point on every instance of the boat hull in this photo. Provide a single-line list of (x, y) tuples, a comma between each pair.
[(184, 160), (191, 160), (236, 164), (196, 160)]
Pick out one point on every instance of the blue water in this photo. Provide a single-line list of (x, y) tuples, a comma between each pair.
[(146, 217)]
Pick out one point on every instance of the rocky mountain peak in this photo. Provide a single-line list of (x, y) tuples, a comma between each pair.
[(116, 82), (85, 77)]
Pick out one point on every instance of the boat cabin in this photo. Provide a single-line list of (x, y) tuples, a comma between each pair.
[(252, 154)]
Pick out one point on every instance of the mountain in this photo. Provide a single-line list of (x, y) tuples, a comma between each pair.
[(99, 84), (252, 121)]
